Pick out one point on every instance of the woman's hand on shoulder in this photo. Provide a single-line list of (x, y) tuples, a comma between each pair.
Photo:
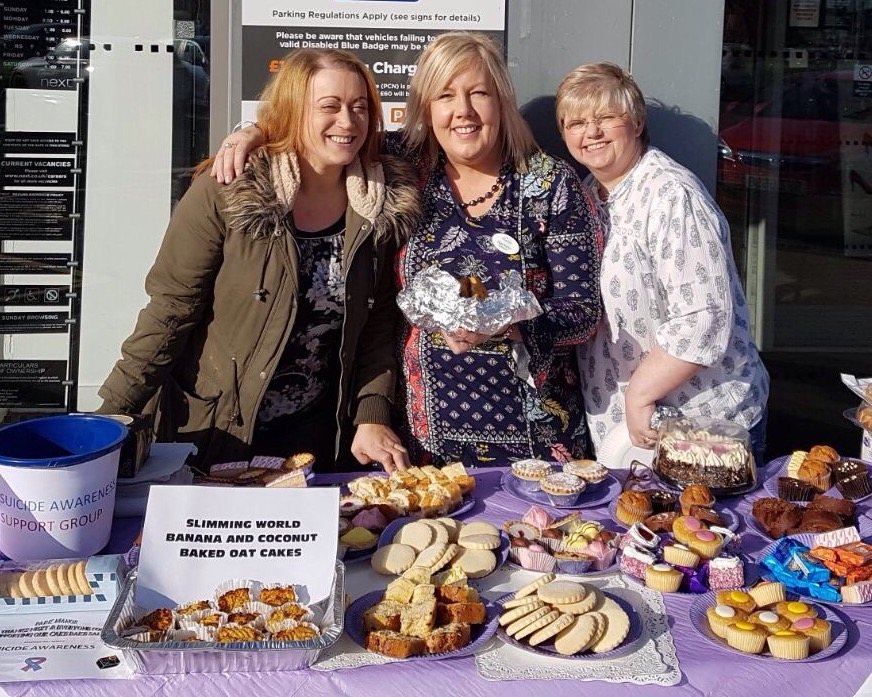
[(378, 443), (233, 153)]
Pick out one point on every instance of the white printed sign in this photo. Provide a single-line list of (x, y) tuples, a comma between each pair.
[(197, 537)]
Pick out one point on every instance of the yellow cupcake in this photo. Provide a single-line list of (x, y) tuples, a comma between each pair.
[(722, 616), (770, 621), (746, 636), (663, 578), (819, 632), (684, 526), (680, 555), (794, 610), (737, 599), (767, 593), (788, 644), (705, 543)]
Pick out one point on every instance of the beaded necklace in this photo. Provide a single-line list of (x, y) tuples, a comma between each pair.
[(498, 184)]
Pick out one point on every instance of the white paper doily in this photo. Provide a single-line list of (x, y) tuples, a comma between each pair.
[(654, 663)]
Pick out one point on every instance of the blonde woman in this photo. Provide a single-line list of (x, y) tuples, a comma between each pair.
[(272, 310)]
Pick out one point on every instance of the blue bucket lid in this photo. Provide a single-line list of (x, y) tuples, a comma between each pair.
[(59, 441)]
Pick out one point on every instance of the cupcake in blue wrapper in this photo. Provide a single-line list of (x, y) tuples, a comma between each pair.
[(573, 562)]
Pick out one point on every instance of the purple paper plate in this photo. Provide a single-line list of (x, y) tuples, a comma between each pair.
[(731, 520), (388, 534), (699, 620), (628, 646), (481, 633), (610, 488), (777, 468), (807, 539)]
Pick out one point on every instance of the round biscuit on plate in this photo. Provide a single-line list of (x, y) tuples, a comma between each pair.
[(453, 527), (428, 556), (562, 592), (577, 636), (393, 559), (557, 626), (617, 627), (534, 627), (512, 628), (521, 602), (479, 541), (450, 552), (479, 527), (579, 607), (533, 586), (417, 535), (516, 613), (475, 563), (440, 532)]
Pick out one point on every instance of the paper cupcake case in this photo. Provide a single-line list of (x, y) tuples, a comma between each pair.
[(590, 498), (171, 656), (699, 621), (731, 519), (778, 468)]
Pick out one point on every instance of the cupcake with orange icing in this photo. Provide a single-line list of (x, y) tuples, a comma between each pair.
[(705, 543), (737, 599), (819, 632), (795, 610)]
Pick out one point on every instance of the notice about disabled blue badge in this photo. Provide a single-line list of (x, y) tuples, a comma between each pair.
[(863, 79)]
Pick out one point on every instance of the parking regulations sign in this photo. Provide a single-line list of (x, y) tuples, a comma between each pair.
[(387, 35)]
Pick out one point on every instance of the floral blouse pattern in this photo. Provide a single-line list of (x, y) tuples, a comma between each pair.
[(504, 401), (668, 276)]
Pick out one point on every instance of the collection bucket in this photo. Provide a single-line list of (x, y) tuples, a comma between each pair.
[(57, 485)]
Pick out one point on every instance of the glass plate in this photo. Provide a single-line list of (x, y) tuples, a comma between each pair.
[(731, 520), (547, 648), (807, 538), (610, 488), (481, 633), (387, 536), (699, 621), (776, 469)]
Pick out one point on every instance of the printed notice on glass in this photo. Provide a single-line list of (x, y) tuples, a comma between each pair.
[(33, 384), (196, 539), (387, 35)]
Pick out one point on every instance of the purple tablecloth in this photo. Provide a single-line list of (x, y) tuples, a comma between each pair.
[(705, 669)]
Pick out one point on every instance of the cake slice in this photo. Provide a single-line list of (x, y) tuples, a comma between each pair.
[(448, 638), (465, 613), (394, 644), (383, 615), (418, 619)]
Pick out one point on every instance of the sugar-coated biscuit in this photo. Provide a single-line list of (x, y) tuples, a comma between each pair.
[(440, 532), (479, 541), (576, 637), (51, 580), (452, 526), (562, 592), (476, 563), (617, 627), (417, 535), (557, 626), (479, 527), (527, 618), (533, 627), (428, 556), (533, 586), (393, 559), (516, 613)]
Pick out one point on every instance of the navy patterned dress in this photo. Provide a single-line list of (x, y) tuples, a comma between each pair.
[(504, 401)]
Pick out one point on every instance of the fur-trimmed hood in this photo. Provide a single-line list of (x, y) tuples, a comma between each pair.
[(386, 194)]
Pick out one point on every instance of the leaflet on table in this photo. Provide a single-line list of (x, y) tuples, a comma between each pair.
[(196, 538), (858, 386), (58, 647)]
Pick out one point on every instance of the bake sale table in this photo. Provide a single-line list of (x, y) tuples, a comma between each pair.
[(705, 669)]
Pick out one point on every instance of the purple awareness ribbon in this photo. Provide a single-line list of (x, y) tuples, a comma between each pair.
[(33, 664)]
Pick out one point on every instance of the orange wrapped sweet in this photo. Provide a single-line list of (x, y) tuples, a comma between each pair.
[(855, 553), (838, 568), (860, 573), (824, 553)]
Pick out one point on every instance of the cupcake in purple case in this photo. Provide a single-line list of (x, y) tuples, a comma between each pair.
[(535, 558), (573, 562)]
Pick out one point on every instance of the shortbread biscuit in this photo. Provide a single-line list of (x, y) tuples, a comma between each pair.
[(617, 627), (533, 586), (9, 584), (557, 626), (520, 602), (478, 527), (81, 579), (520, 611), (417, 535), (580, 607), (393, 559), (25, 587), (62, 580), (39, 584), (440, 532), (430, 555), (451, 550), (51, 580), (562, 592), (418, 575), (452, 526), (476, 563), (479, 541), (577, 636), (533, 627), (527, 618)]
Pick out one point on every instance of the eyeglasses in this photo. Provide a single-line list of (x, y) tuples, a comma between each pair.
[(604, 122)]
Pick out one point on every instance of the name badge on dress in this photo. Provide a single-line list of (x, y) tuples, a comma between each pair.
[(505, 243)]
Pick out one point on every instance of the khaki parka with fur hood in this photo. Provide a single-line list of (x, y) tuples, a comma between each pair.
[(223, 303)]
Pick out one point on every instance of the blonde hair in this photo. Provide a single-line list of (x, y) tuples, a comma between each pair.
[(446, 57), (598, 87), (282, 114)]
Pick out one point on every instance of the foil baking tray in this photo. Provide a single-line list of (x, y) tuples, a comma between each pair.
[(170, 657)]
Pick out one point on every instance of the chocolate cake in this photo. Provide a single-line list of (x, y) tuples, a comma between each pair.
[(778, 517)]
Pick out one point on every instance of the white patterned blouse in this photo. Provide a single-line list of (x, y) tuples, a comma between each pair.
[(668, 275)]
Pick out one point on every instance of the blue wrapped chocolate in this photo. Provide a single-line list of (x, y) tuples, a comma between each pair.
[(824, 591), (810, 569)]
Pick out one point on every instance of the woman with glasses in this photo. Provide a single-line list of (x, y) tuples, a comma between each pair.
[(676, 330), (492, 202)]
